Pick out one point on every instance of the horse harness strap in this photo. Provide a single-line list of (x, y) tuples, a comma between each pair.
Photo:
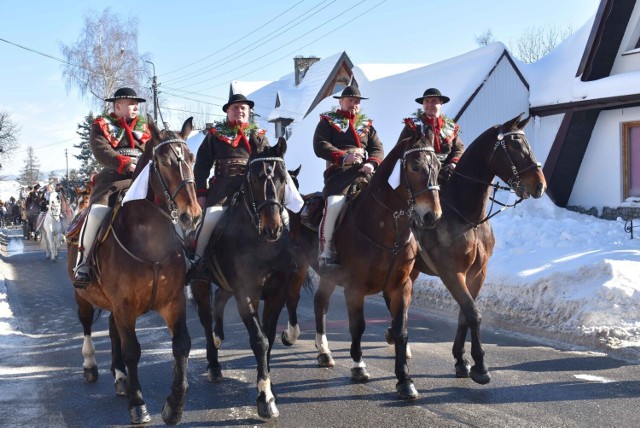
[(230, 167), (133, 153), (155, 264)]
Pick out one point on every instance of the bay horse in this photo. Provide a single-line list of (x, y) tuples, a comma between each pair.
[(140, 266), (377, 250), (247, 250), (459, 248), (53, 227)]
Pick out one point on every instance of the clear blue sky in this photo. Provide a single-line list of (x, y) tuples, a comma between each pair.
[(184, 37)]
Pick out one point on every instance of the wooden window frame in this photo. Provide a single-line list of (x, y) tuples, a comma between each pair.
[(626, 158)]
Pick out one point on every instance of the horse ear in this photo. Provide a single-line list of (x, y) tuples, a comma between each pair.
[(511, 124), (524, 122), (296, 171), (187, 127), (282, 146), (155, 132)]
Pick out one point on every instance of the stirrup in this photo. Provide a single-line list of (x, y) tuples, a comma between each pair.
[(81, 279), (327, 264), (199, 270)]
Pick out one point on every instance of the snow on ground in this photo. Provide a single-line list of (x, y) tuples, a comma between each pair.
[(554, 272)]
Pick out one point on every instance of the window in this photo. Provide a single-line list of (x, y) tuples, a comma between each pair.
[(631, 159)]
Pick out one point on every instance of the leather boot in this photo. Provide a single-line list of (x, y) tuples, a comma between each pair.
[(82, 272)]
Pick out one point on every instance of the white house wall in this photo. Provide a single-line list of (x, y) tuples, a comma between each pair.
[(541, 132), (502, 97), (599, 181)]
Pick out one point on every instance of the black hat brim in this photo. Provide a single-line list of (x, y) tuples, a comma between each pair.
[(337, 97), (138, 99), (444, 99), (227, 105)]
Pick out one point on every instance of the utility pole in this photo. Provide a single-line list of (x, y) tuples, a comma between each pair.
[(154, 88), (66, 155)]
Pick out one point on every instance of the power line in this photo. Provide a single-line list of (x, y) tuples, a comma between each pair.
[(233, 43), (46, 145), (283, 46), (50, 56), (230, 58)]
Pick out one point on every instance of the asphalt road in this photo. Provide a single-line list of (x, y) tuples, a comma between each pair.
[(533, 385)]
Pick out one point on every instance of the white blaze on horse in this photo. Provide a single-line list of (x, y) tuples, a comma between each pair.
[(52, 228)]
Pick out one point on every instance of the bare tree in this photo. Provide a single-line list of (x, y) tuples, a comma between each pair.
[(8, 136), (485, 38), (104, 58), (31, 172), (536, 42)]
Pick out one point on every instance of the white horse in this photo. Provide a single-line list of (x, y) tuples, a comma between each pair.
[(52, 228)]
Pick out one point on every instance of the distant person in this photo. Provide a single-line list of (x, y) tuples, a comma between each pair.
[(447, 142), (117, 140), (348, 142)]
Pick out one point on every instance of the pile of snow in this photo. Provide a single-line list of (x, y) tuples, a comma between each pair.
[(557, 273)]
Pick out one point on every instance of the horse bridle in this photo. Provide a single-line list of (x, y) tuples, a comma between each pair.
[(254, 209), (411, 200), (514, 181), (185, 174)]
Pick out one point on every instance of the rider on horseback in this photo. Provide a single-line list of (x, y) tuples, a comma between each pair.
[(226, 148), (447, 143), (116, 140), (349, 143)]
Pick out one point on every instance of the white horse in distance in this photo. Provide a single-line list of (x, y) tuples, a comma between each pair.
[(52, 228)]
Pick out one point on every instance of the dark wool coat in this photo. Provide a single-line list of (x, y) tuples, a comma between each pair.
[(333, 146), (113, 178), (451, 150), (221, 188)]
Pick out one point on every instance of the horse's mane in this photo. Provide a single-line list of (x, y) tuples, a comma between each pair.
[(388, 163), (485, 137)]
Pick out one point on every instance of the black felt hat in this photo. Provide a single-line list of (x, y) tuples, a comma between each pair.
[(126, 94), (433, 92), (351, 92), (237, 98)]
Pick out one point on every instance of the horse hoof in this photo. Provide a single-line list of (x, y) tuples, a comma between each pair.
[(91, 374), (139, 415), (171, 416), (285, 338), (325, 360), (267, 409), (407, 390), (214, 374), (462, 369), (480, 376), (387, 336), (121, 387), (360, 374)]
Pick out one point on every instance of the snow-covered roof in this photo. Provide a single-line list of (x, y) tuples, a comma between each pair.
[(378, 71), (553, 78), (391, 99), (294, 100)]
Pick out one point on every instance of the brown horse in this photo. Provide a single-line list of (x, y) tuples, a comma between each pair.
[(248, 249), (377, 250), (459, 248), (140, 266)]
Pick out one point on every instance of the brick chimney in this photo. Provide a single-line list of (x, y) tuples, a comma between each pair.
[(301, 65)]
